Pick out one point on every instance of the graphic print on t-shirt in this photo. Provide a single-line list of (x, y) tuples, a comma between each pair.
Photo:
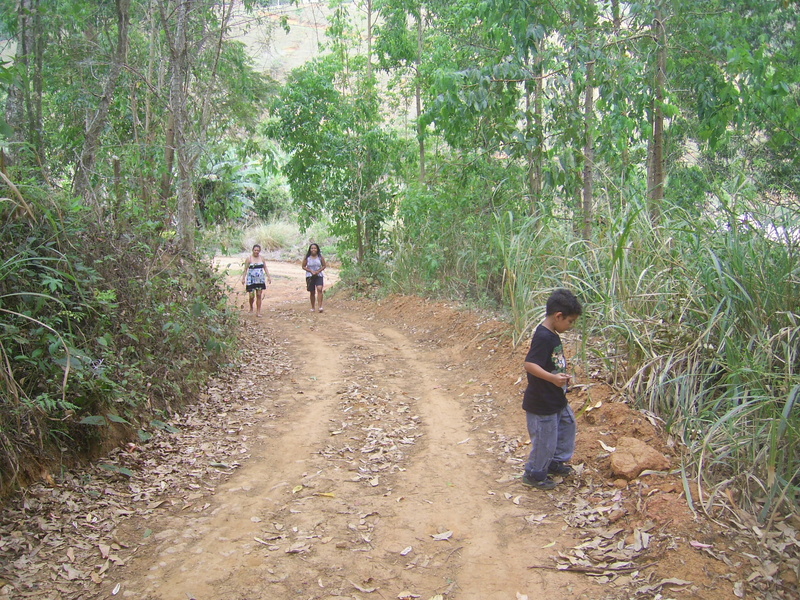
[(560, 361)]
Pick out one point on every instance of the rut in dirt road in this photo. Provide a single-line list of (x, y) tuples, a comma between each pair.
[(370, 478)]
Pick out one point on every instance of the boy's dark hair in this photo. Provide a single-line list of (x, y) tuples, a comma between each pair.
[(563, 301)]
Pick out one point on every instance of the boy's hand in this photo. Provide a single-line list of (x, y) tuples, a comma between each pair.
[(561, 379)]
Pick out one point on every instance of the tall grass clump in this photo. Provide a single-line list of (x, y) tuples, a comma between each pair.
[(286, 238), (729, 387), (271, 235)]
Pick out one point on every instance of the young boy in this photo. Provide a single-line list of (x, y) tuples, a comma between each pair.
[(551, 422)]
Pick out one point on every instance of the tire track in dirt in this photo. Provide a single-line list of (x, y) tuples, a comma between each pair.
[(199, 555), (469, 489)]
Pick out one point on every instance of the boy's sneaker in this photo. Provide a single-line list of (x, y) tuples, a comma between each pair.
[(559, 468), (544, 484)]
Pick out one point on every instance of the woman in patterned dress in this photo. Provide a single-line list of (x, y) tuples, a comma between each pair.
[(255, 277)]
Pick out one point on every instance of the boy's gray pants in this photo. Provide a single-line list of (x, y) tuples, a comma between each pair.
[(552, 439)]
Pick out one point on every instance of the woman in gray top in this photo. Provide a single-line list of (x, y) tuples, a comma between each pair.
[(313, 265)]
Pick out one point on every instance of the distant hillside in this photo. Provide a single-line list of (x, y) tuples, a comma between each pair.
[(277, 52)]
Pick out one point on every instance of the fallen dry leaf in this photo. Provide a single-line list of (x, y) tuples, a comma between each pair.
[(298, 548), (104, 550), (606, 447), (364, 590)]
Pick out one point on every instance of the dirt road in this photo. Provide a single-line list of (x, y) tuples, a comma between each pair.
[(370, 474), (373, 451)]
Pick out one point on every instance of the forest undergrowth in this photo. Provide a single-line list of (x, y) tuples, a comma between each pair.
[(104, 335)]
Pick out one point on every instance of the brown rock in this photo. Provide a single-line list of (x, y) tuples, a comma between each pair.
[(633, 456), (616, 515)]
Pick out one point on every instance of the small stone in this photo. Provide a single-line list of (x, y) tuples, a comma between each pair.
[(616, 515)]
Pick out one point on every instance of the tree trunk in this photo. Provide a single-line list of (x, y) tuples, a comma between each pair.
[(82, 181), (369, 40), (588, 152), (169, 158), (15, 103), (418, 98), (37, 127), (148, 180), (226, 13), (655, 176), (178, 99), (535, 157), (24, 102), (178, 96), (615, 16)]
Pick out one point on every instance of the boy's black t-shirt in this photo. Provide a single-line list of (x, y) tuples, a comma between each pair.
[(542, 397)]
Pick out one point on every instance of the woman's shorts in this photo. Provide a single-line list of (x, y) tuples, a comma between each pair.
[(256, 286), (313, 282)]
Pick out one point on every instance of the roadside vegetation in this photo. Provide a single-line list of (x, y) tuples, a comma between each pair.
[(104, 335), (644, 154)]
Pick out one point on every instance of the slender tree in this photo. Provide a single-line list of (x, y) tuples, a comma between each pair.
[(98, 121), (24, 103), (655, 165), (588, 151), (401, 46)]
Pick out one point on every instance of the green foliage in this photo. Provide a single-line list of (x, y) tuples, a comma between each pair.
[(62, 89), (272, 235), (441, 243), (242, 181), (273, 199), (86, 344), (341, 161), (396, 42)]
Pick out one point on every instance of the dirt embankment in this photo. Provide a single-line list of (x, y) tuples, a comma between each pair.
[(373, 451)]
